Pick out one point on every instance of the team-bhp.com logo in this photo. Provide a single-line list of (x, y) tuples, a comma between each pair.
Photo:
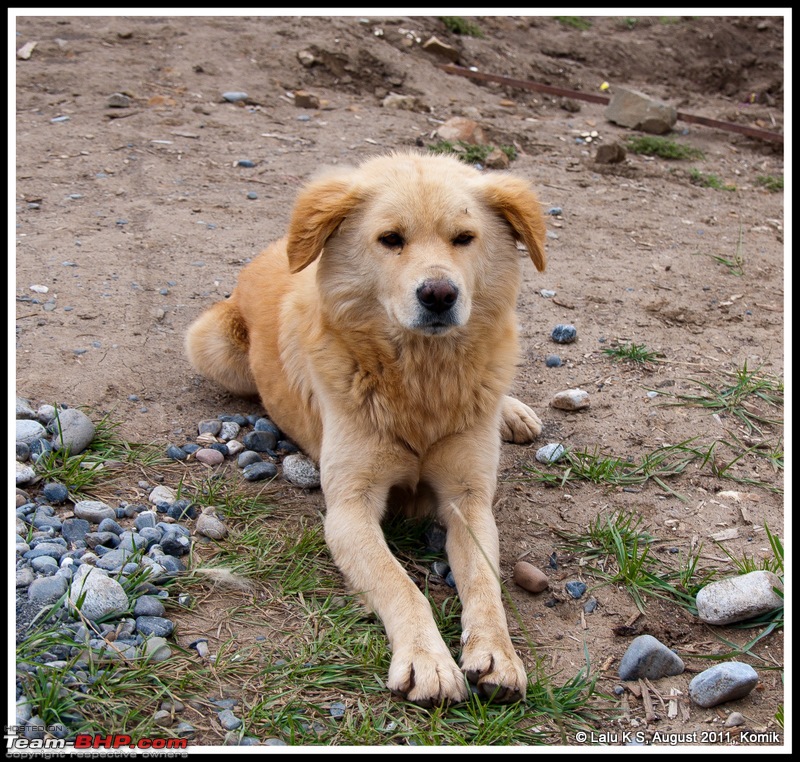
[(86, 741)]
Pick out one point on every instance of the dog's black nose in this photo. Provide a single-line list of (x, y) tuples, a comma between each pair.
[(437, 296)]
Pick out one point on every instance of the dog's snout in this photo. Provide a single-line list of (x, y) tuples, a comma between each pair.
[(437, 296)]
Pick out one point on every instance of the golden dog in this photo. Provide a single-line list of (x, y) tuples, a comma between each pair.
[(381, 337)]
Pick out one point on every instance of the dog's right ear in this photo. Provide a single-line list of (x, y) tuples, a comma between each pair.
[(320, 208)]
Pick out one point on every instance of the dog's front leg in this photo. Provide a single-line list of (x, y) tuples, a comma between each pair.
[(356, 484), (463, 474)]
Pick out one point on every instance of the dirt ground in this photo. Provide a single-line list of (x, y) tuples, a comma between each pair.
[(138, 218)]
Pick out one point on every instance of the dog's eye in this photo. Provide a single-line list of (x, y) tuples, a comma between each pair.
[(391, 240), (463, 239)]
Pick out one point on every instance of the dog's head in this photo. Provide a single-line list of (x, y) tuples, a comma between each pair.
[(430, 239)]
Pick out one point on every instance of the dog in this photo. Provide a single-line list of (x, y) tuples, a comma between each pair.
[(380, 335)]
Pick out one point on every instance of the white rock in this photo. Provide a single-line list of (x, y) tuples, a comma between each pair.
[(27, 430), (102, 595), (25, 474), (550, 453), (571, 399), (300, 470), (162, 494), (739, 598)]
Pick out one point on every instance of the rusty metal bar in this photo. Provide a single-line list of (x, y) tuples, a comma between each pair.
[(522, 84)]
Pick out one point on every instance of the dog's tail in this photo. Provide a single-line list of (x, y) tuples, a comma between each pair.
[(217, 344)]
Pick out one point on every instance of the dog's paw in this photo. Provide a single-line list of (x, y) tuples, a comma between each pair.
[(427, 678), (494, 666), (518, 423)]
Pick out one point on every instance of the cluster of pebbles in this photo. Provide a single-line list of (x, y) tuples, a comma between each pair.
[(97, 574)]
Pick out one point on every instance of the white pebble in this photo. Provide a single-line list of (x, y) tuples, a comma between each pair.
[(739, 598), (550, 453), (571, 399)]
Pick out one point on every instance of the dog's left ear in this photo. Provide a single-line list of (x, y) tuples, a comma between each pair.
[(513, 199), (320, 208)]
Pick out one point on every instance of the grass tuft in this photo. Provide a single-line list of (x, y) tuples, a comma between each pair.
[(470, 153), (635, 353), (576, 22), (696, 177), (462, 26), (664, 148)]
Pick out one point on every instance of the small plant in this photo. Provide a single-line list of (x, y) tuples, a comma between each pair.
[(742, 393), (636, 353), (696, 177), (459, 25), (664, 148), (770, 182), (669, 20), (576, 22), (736, 264), (629, 22), (470, 153)]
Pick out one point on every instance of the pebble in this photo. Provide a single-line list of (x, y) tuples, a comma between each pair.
[(564, 333), (550, 453), (209, 525), (233, 96), (252, 195), (23, 451), (235, 447), (555, 211), (101, 595), (575, 589), (209, 457), (229, 430), (737, 599), (28, 430), (260, 441), (176, 453), (571, 399), (528, 577), (74, 530), (264, 424), (118, 100), (46, 590), (145, 519), (552, 361), (93, 511), (23, 409), (734, 720), (301, 471), (590, 606), (162, 494), (55, 493), (229, 720), (260, 470), (148, 605), (24, 474), (154, 625), (337, 709), (728, 681), (212, 426), (648, 657), (440, 568), (73, 430), (547, 293), (246, 163)]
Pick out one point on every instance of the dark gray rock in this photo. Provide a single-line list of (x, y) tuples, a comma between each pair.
[(260, 470), (154, 625), (148, 605), (260, 441), (648, 657)]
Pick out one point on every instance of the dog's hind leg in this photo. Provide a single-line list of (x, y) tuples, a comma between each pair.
[(518, 423), (217, 344)]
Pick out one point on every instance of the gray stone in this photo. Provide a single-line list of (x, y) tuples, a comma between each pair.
[(229, 720), (74, 530), (301, 471), (229, 430), (209, 525), (610, 153), (233, 96), (304, 99), (52, 549), (260, 470), (211, 426), (648, 657), (146, 519), (55, 492), (74, 431), (260, 441), (93, 511), (45, 565), (154, 625), (148, 605), (118, 100), (631, 108), (247, 458), (102, 596), (550, 453), (132, 541), (28, 430), (25, 576), (739, 598), (24, 474), (24, 409), (114, 559), (460, 128), (723, 682), (47, 590)]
